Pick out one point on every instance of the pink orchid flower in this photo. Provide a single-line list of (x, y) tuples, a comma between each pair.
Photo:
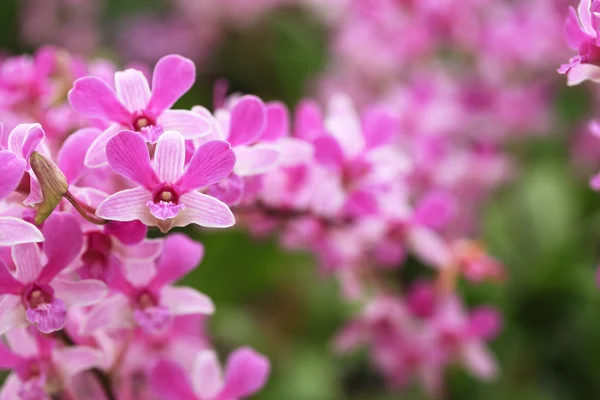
[(103, 253), (167, 195), (35, 294), (246, 373), (463, 337), (241, 124), (133, 106), (23, 140), (581, 32), (37, 361), (144, 295), (353, 151)]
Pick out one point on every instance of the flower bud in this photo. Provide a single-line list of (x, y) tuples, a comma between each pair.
[(53, 184)]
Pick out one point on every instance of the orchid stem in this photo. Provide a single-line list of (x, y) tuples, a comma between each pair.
[(84, 210)]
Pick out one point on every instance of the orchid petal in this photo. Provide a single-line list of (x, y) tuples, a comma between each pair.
[(8, 283), (278, 122), (24, 139), (173, 77), (328, 152), (308, 120), (255, 160), (343, 123), (22, 342), (15, 231), (8, 359), (211, 163), (205, 211), (191, 125), (207, 376), (95, 157), (430, 247), (79, 293), (73, 360), (127, 205), (93, 98), (479, 360), (582, 72), (73, 152), (169, 156), (246, 373), (28, 261), (110, 314), (186, 301), (132, 89), (180, 255), (63, 243), (12, 314), (170, 382), (128, 155), (10, 173), (248, 119)]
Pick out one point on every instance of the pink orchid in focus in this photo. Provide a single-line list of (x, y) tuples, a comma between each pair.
[(34, 293), (41, 366), (246, 373), (133, 106), (581, 32), (167, 195), (144, 295)]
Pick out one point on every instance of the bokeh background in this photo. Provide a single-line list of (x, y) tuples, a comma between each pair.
[(544, 226)]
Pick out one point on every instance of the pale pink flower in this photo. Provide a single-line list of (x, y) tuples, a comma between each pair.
[(35, 293), (144, 294), (37, 361), (581, 32), (167, 194), (246, 373), (133, 106)]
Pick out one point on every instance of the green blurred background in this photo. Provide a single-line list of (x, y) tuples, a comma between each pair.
[(544, 226)]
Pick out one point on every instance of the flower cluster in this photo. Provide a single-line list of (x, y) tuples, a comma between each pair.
[(89, 302), (89, 306)]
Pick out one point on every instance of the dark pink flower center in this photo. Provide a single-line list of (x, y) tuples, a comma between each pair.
[(166, 192), (35, 295), (146, 299), (95, 258), (142, 120)]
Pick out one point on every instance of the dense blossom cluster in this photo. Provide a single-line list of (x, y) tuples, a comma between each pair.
[(394, 169), (84, 286), (88, 308)]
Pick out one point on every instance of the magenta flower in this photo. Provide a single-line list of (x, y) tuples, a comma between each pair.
[(133, 106), (35, 294), (581, 32), (246, 373), (144, 295), (37, 361), (167, 195)]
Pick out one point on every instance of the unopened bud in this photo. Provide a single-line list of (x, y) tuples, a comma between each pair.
[(53, 184)]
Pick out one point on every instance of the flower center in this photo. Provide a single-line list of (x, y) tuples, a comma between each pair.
[(141, 121), (165, 201), (166, 192), (35, 295), (145, 300), (95, 258)]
